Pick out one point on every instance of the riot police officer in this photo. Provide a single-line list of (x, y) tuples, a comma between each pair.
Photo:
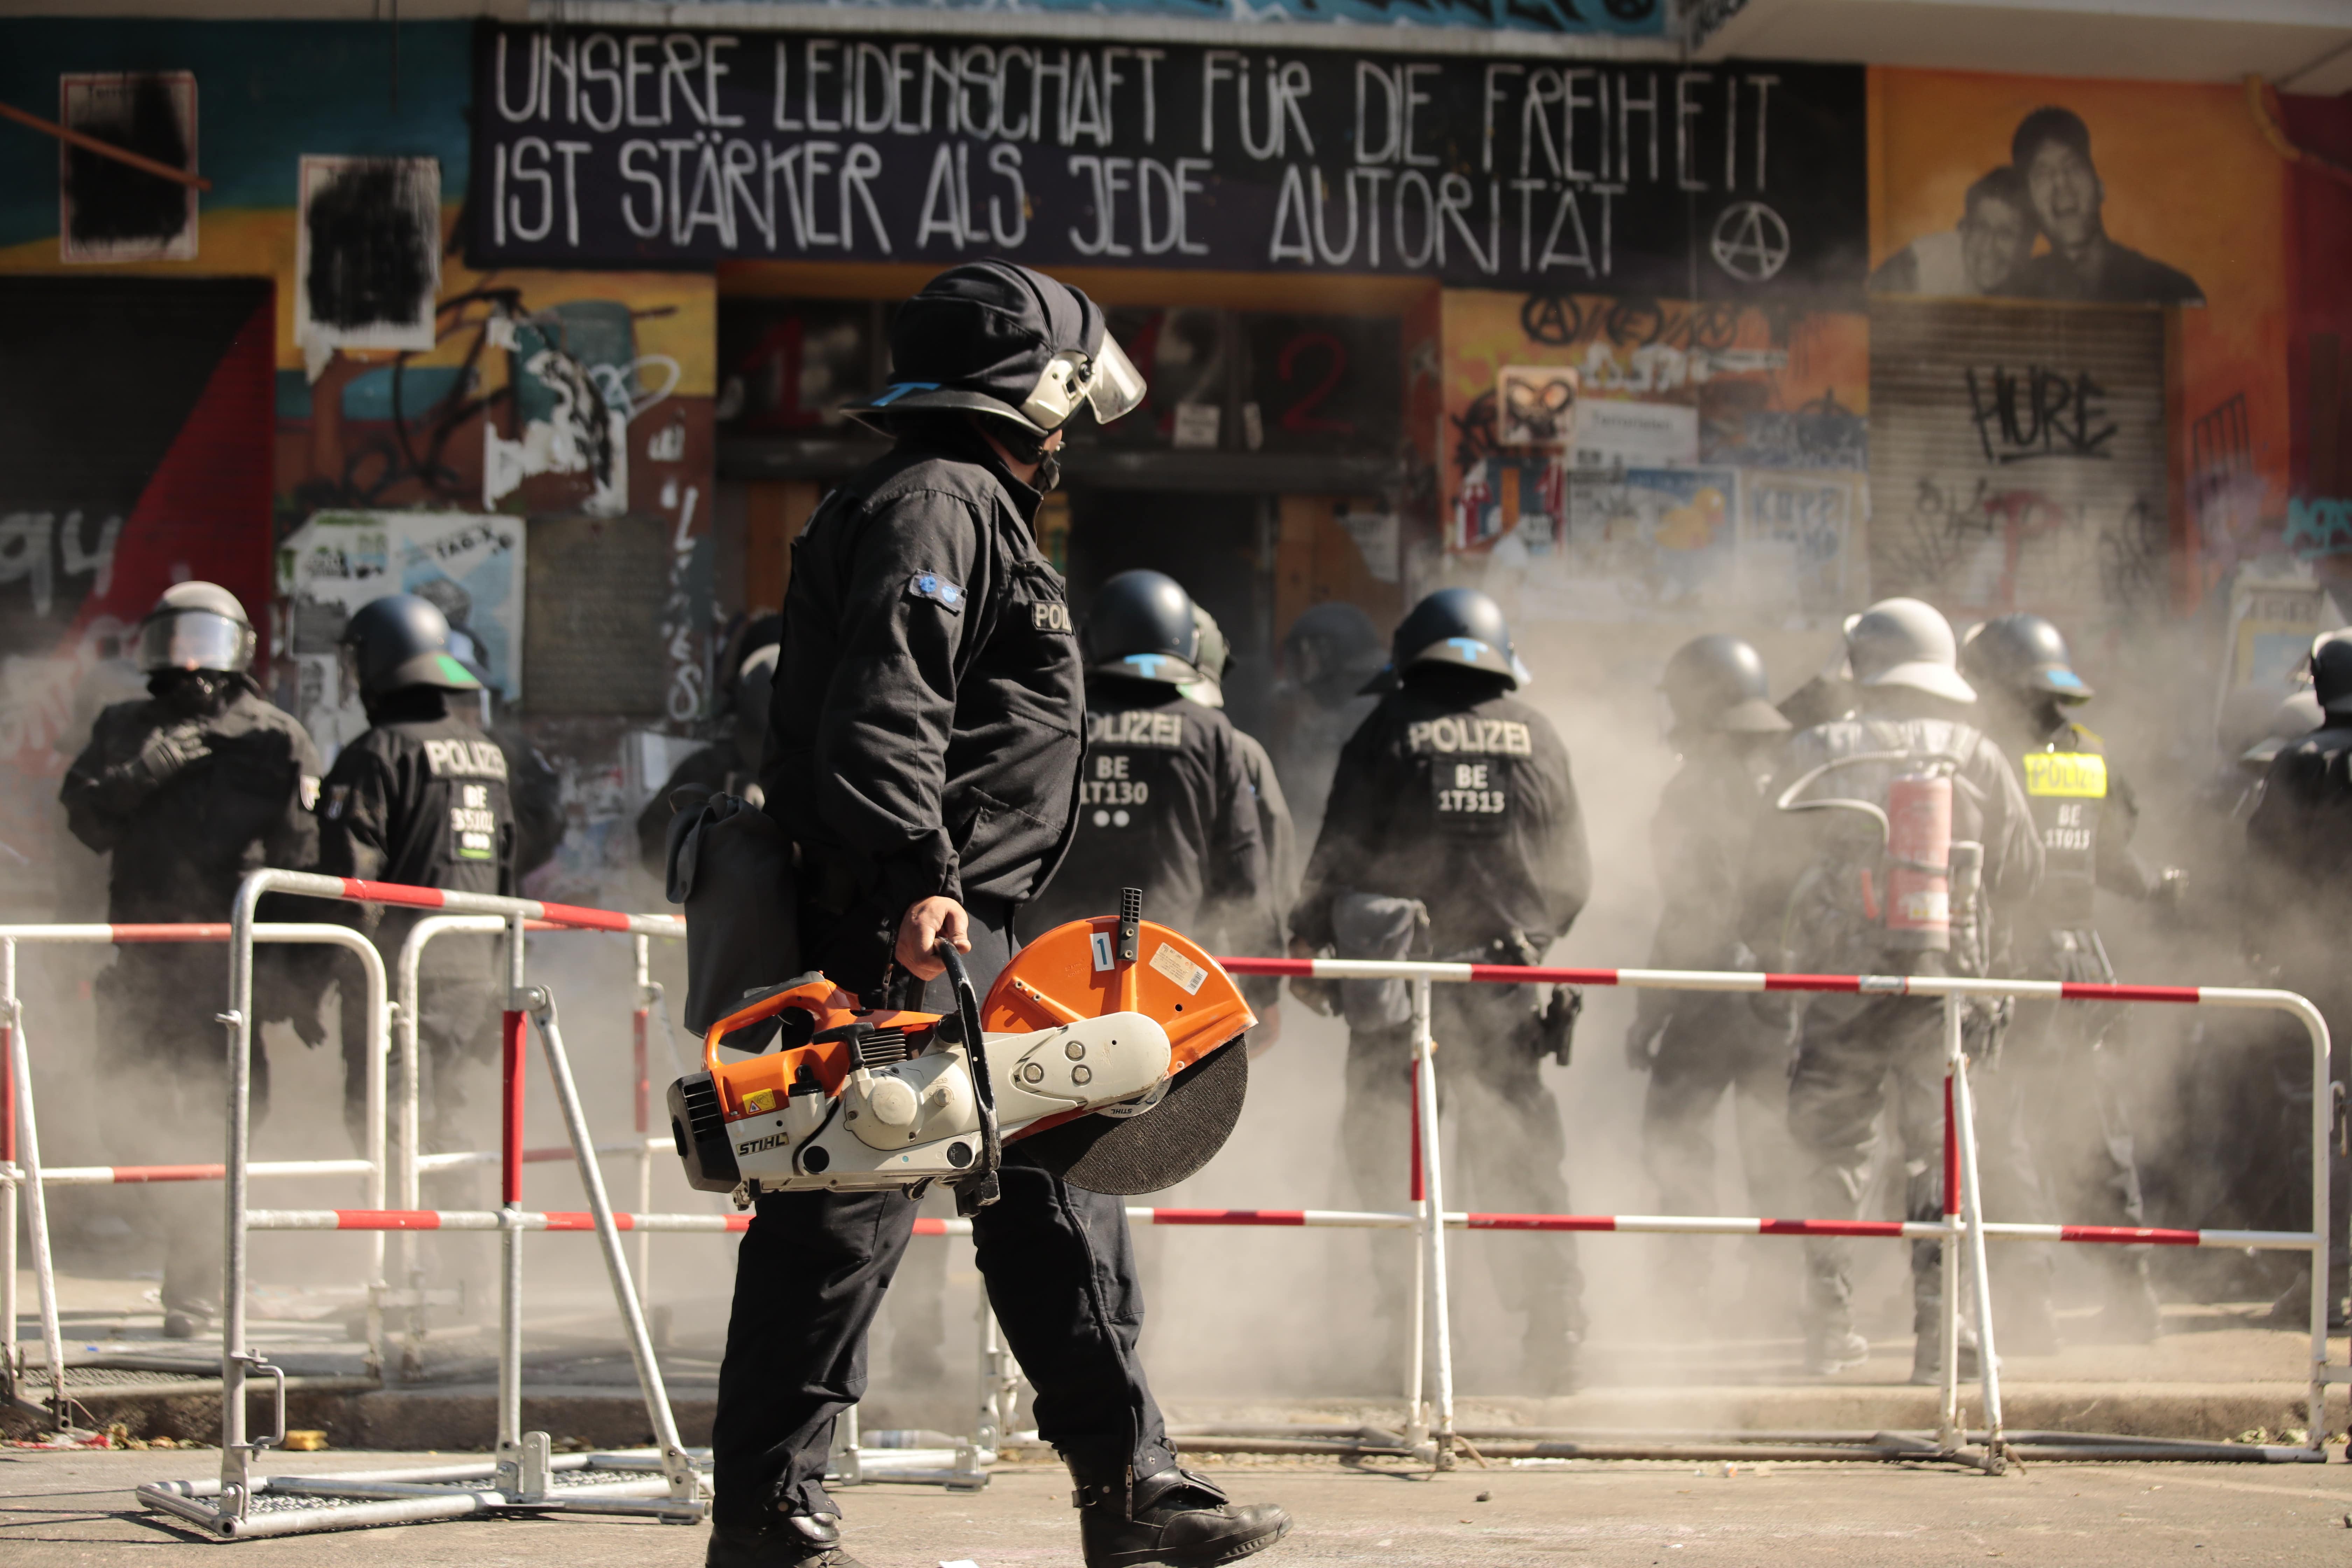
[(1328, 654), (188, 790), (922, 756), (1818, 899), (1164, 802), (2066, 1062), (1455, 797), (422, 798), (1274, 826), (1697, 1044), (2298, 843)]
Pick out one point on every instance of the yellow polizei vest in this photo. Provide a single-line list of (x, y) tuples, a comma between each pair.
[(2080, 776)]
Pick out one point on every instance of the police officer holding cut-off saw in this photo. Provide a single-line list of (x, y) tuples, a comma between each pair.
[(1165, 801), (1453, 828), (421, 798), (922, 758), (188, 790)]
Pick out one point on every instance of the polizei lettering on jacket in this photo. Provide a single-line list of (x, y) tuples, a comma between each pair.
[(465, 759), (1497, 737), (1144, 728)]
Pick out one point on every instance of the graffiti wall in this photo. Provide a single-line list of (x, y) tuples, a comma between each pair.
[(2086, 196), (1711, 462), (370, 369)]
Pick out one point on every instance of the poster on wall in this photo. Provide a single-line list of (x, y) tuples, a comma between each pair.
[(1799, 537), (471, 568), (107, 210), (367, 259), (1535, 406), (612, 147), (2034, 226)]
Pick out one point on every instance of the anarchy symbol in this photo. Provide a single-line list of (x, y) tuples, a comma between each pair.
[(1553, 318), (1751, 242)]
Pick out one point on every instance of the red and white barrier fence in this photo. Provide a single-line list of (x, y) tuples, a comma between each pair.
[(1961, 1228)]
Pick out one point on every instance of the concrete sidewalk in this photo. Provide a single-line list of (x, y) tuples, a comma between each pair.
[(76, 1509)]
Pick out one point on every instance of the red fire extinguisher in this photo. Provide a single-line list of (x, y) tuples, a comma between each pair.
[(1919, 863)]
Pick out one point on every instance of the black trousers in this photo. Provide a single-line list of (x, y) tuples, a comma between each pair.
[(809, 1278)]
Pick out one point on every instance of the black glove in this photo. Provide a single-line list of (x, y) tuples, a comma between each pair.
[(168, 752)]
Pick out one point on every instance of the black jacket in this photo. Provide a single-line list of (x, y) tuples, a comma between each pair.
[(2299, 849), (421, 798), (2085, 811), (1165, 805), (1458, 794), (928, 719), (180, 847)]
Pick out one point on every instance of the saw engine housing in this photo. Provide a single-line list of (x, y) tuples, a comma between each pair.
[(1094, 1017)]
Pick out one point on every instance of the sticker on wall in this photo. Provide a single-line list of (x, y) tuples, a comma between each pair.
[(1616, 434), (1536, 406), (107, 210), (1797, 538), (367, 254)]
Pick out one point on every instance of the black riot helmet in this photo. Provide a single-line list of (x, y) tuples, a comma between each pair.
[(401, 640), (197, 627), (1142, 626), (1717, 682), (2331, 671), (1460, 626), (2024, 655), (995, 339)]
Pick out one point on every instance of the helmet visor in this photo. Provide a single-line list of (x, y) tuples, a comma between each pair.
[(193, 640), (1105, 381), (1116, 387)]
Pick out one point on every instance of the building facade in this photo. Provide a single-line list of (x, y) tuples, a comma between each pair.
[(550, 314)]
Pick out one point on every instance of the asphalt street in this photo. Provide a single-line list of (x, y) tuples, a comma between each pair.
[(62, 1509)]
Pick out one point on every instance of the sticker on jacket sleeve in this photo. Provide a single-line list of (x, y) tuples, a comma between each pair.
[(1179, 968), (937, 590)]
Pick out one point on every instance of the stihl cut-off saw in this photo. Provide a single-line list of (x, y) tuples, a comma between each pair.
[(1109, 1048)]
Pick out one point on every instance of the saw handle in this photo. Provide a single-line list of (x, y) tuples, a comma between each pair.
[(978, 1188)]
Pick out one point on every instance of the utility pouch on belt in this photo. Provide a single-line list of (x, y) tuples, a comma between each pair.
[(1372, 925), (732, 867), (1557, 1024)]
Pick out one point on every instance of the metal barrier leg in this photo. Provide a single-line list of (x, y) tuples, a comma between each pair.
[(676, 1465), (1972, 1202), (237, 1455), (1434, 1228), (36, 1208), (2323, 1134), (1416, 1379), (642, 1094), (1950, 1437), (12, 1354), (510, 1066)]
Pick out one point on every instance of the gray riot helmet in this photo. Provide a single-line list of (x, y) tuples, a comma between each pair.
[(995, 339), (1717, 682), (196, 625), (1906, 643), (1215, 658), (1460, 626), (1142, 626), (2291, 721), (2024, 655), (1331, 649), (401, 640), (2331, 670)]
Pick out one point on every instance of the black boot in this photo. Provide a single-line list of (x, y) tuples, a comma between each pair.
[(799, 1541), (1175, 1518)]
